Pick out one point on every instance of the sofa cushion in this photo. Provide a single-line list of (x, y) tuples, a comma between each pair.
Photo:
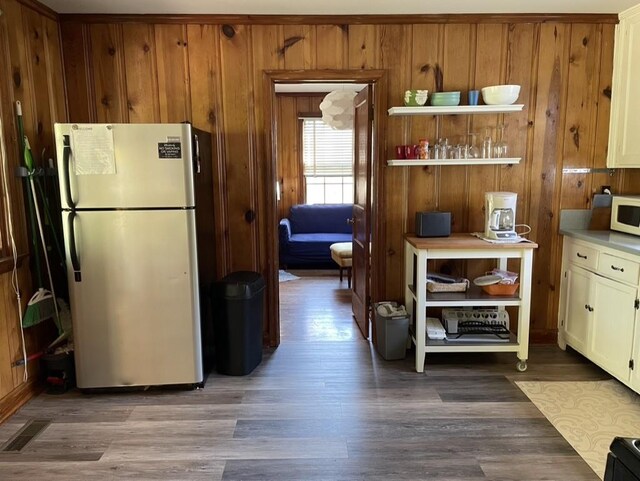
[(313, 218), (315, 247)]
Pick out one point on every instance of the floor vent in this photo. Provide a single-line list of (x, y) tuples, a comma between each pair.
[(26, 434)]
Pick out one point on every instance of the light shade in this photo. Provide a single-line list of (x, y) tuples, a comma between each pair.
[(337, 109)]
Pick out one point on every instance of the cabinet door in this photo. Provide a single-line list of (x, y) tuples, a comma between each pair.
[(577, 317), (611, 337), (635, 373), (624, 142)]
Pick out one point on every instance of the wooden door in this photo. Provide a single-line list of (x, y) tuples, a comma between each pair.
[(362, 209)]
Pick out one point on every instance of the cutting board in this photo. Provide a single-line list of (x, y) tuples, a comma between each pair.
[(600, 218), (601, 200)]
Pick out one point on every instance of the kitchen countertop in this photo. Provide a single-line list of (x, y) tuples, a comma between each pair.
[(615, 240)]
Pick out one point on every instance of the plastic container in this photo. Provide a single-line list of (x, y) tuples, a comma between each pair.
[(392, 333), (238, 312), (423, 150), (501, 289)]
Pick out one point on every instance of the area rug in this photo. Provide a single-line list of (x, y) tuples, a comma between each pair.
[(588, 414), (285, 276)]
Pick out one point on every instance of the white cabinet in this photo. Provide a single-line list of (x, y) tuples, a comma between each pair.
[(599, 308), (577, 316), (634, 382), (611, 337), (624, 141)]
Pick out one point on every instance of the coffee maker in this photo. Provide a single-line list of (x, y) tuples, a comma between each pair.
[(500, 216)]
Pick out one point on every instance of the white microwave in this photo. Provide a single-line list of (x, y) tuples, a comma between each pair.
[(625, 214)]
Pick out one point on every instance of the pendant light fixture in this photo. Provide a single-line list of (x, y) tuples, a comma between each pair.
[(338, 110)]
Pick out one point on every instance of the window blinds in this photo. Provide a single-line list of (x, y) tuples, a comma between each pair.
[(326, 152)]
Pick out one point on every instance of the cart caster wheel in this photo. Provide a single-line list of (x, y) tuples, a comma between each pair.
[(521, 366)]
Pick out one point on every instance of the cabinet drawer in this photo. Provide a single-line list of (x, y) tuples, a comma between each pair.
[(617, 268), (582, 255)]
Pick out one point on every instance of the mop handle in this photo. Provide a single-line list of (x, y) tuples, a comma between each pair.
[(44, 247)]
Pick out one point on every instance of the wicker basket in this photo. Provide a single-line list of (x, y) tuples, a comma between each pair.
[(461, 286)]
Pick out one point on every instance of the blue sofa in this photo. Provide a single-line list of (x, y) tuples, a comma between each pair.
[(305, 236)]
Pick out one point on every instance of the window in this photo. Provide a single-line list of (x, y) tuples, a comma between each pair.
[(327, 159)]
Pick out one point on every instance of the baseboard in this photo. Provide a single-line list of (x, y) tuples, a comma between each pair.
[(18, 398), (543, 336)]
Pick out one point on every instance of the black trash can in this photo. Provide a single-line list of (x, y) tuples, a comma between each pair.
[(237, 311), (58, 371), (623, 461)]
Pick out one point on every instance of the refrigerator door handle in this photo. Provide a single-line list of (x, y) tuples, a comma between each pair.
[(73, 253), (196, 153), (66, 165)]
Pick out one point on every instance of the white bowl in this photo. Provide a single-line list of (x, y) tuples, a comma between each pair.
[(500, 94)]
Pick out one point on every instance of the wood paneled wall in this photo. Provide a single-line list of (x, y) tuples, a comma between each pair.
[(288, 153), (212, 74), (31, 72)]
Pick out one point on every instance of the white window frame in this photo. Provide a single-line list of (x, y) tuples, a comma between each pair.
[(316, 161)]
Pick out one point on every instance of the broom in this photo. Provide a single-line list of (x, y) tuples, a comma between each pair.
[(42, 304)]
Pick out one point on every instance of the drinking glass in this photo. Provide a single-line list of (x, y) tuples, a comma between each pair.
[(457, 149), (455, 152), (473, 151), (500, 149), (444, 147), (487, 144), (437, 149)]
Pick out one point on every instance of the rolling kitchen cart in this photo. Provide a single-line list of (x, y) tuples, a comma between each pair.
[(464, 246)]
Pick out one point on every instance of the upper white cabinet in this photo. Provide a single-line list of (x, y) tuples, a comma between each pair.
[(624, 141)]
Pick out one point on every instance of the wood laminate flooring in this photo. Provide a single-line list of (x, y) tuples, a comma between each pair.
[(323, 406)]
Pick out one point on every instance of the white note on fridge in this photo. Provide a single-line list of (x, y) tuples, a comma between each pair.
[(92, 149)]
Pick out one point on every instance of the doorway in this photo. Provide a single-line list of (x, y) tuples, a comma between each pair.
[(366, 275)]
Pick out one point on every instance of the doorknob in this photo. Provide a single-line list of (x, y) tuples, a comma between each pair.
[(351, 221)]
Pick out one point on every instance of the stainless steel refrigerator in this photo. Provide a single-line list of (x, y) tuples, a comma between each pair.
[(129, 217)]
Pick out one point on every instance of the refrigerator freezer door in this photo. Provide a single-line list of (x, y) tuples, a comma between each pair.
[(135, 310), (153, 167)]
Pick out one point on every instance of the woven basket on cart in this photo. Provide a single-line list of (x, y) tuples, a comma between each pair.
[(461, 286)]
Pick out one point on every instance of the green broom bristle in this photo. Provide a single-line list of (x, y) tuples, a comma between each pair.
[(40, 308)]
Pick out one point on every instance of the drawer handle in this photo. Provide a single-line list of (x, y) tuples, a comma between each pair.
[(580, 255), (588, 307), (621, 269)]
